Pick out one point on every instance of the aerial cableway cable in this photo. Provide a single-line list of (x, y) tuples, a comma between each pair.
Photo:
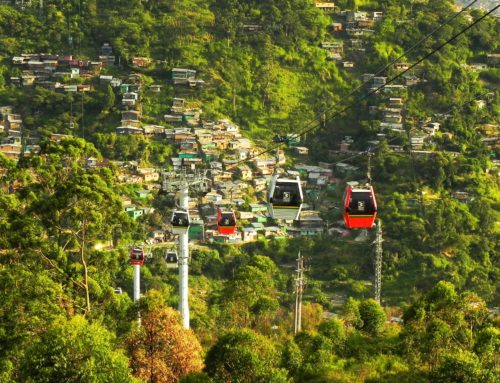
[(403, 55), (374, 90)]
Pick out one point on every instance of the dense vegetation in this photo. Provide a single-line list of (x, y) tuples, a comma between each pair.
[(60, 318)]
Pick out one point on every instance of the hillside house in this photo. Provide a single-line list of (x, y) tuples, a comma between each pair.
[(148, 174), (393, 116), (210, 155), (251, 28), (129, 130), (212, 197), (133, 212), (245, 172), (84, 88), (132, 115), (333, 46), (130, 96), (417, 141), (395, 127), (12, 151), (401, 66), (249, 234), (70, 88), (326, 7), (410, 80), (476, 67), (378, 81), (154, 130), (54, 137), (115, 82), (223, 176), (393, 88), (173, 119), (28, 79), (105, 79), (91, 162), (177, 106), (364, 23), (355, 16), (431, 128), (336, 27), (302, 150), (395, 102), (133, 123), (181, 76), (141, 62), (142, 193), (259, 184)]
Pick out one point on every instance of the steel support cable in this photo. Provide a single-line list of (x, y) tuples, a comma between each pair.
[(375, 90), (404, 54)]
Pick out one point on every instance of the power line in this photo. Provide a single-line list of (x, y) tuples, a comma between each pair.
[(375, 90), (363, 153), (322, 114)]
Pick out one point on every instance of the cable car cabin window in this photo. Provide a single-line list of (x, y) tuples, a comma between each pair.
[(171, 257), (227, 219), (180, 219), (286, 194), (361, 204), (137, 255)]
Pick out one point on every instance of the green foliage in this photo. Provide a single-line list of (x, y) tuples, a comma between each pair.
[(334, 330), (53, 210), (372, 316), (75, 350), (244, 356)]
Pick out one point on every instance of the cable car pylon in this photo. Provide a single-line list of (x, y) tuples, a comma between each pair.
[(183, 261), (182, 182), (377, 286)]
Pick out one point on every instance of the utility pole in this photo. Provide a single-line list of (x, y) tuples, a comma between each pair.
[(299, 289), (183, 260), (378, 262)]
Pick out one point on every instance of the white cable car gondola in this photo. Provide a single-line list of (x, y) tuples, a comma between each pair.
[(180, 222), (171, 259), (284, 198)]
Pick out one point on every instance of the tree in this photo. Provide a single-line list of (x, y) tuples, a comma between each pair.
[(244, 356), (351, 313), (161, 350), (74, 350), (334, 330), (372, 316), (110, 97), (445, 331), (250, 297), (462, 367)]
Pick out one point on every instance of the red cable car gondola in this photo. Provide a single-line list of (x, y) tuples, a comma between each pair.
[(226, 222), (137, 256), (360, 208)]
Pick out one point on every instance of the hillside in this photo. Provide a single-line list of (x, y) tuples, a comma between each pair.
[(108, 107)]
